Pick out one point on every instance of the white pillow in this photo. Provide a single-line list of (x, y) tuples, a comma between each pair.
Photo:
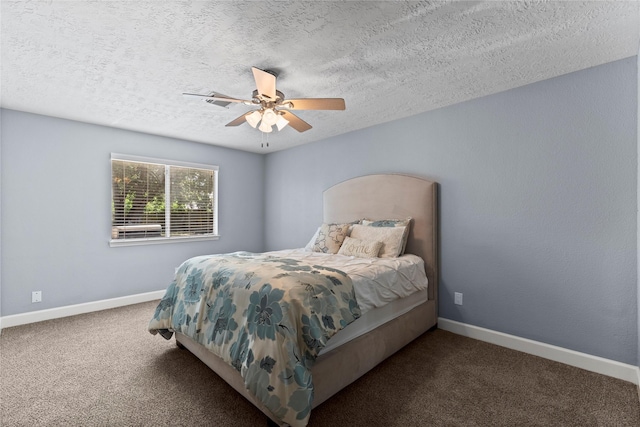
[(309, 246), (359, 248), (392, 223), (391, 238)]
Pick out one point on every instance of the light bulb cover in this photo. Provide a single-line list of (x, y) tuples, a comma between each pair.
[(281, 122), (265, 127), (269, 117), (254, 118)]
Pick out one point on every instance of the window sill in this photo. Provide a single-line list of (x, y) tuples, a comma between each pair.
[(160, 240)]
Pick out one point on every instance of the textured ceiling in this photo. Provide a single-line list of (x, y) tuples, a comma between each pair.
[(125, 63)]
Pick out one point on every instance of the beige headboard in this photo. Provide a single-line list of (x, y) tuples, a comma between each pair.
[(392, 196)]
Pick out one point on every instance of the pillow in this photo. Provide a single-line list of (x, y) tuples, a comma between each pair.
[(391, 238), (387, 222), (309, 246), (330, 237), (359, 248), (351, 224), (392, 223)]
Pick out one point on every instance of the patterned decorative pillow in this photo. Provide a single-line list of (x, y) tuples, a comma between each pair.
[(391, 238), (392, 223), (359, 248), (330, 238), (309, 246)]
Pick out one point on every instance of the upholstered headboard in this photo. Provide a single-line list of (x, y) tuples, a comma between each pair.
[(392, 196)]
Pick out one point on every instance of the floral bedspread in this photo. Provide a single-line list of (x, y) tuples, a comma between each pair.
[(266, 316)]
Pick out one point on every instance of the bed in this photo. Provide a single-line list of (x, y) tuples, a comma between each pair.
[(347, 356)]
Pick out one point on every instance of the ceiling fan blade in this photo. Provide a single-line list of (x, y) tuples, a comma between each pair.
[(295, 122), (240, 120), (315, 104), (209, 98), (265, 82), (217, 97)]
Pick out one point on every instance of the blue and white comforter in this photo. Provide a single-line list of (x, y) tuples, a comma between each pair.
[(266, 316)]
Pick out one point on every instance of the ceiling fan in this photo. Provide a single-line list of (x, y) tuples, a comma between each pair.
[(274, 109)]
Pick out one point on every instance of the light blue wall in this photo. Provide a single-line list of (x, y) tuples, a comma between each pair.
[(638, 211), (56, 211), (538, 204), (0, 218)]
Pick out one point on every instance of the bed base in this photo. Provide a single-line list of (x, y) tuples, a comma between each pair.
[(339, 367)]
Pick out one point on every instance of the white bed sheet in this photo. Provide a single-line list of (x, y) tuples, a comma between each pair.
[(376, 281)]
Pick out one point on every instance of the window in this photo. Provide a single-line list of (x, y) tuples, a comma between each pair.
[(154, 201)]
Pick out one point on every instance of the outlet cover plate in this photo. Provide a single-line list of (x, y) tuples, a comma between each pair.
[(457, 298), (36, 296)]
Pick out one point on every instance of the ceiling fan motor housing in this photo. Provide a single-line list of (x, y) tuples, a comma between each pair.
[(279, 97)]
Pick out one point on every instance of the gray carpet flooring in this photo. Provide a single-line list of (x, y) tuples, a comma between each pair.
[(105, 369)]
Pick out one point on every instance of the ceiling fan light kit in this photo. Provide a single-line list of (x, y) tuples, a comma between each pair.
[(274, 108), (267, 118)]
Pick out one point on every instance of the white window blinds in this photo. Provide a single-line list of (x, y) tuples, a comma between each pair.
[(160, 199)]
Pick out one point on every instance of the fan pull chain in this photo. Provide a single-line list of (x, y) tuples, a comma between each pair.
[(262, 143)]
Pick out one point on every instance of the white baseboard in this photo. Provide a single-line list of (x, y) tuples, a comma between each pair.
[(585, 361), (638, 383), (72, 310)]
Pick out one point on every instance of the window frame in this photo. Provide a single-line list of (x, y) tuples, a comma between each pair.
[(165, 240)]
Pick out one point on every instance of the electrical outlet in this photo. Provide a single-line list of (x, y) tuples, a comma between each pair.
[(36, 296), (457, 298)]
